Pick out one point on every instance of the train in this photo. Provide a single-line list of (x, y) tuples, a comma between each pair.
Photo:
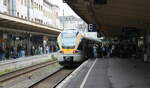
[(74, 48)]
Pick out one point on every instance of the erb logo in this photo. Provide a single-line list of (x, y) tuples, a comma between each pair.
[(92, 28)]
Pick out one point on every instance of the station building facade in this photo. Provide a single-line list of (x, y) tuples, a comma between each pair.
[(39, 11), (10, 41), (42, 12), (72, 22)]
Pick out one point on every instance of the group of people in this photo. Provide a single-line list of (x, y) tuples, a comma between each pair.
[(12, 52), (126, 50), (22, 51), (98, 50), (101, 51), (42, 50), (115, 50)]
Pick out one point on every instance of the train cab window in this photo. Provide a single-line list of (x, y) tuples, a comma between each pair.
[(68, 40)]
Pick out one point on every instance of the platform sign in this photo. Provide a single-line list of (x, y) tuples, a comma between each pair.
[(91, 27)]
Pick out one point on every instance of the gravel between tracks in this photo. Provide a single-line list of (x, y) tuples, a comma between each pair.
[(28, 79), (54, 79)]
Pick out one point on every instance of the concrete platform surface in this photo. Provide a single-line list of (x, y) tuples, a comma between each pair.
[(110, 73), (3, 62), (14, 64)]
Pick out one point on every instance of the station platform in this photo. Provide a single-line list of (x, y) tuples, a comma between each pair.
[(3, 62), (109, 73), (15, 64)]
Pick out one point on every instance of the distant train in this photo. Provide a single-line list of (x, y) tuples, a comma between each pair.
[(74, 48)]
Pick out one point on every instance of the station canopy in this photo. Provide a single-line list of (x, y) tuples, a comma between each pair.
[(13, 23), (112, 15)]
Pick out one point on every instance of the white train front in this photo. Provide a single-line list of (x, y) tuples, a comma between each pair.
[(69, 53)]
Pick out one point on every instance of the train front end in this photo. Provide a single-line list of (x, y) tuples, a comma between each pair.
[(69, 55)]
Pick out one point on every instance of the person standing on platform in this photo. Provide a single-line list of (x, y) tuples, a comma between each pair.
[(95, 51), (23, 51), (47, 50), (33, 50), (19, 50), (90, 52), (99, 51), (103, 51), (112, 50), (41, 50), (7, 52)]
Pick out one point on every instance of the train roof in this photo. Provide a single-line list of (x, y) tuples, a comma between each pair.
[(92, 39)]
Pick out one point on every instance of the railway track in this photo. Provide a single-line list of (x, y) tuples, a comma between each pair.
[(53, 80), (15, 74)]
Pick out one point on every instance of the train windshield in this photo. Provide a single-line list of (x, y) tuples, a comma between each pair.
[(68, 40)]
